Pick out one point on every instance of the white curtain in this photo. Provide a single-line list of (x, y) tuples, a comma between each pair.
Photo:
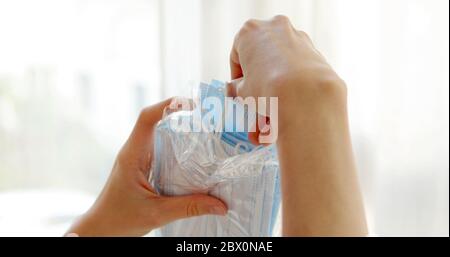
[(74, 74)]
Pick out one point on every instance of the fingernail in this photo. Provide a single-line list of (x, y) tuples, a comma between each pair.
[(217, 210)]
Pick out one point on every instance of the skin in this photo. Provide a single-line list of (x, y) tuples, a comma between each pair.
[(128, 205), (320, 190)]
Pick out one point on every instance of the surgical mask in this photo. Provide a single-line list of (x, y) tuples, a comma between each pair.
[(221, 164)]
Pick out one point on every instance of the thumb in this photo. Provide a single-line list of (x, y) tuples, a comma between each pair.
[(179, 207)]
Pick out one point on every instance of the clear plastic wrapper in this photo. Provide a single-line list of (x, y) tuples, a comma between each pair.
[(222, 164)]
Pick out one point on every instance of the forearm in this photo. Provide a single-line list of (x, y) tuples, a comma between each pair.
[(320, 188)]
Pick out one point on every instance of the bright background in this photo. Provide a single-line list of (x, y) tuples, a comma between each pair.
[(75, 73)]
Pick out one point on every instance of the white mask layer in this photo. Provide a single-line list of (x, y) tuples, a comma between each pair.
[(222, 164)]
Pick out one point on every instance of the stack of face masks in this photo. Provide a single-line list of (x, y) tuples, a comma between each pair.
[(222, 164)]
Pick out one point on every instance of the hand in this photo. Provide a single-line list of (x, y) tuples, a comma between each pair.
[(272, 59), (128, 205), (320, 191)]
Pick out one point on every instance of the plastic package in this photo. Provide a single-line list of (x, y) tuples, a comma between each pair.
[(222, 164)]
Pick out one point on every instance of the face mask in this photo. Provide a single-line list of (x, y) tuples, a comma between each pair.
[(223, 164)]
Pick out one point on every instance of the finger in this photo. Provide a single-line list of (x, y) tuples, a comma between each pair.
[(179, 104), (253, 137), (151, 115), (265, 129), (235, 65), (235, 62), (236, 88), (138, 149), (260, 129), (179, 207)]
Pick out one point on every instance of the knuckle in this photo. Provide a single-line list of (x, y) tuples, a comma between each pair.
[(303, 34), (248, 27), (281, 19), (251, 24), (332, 86)]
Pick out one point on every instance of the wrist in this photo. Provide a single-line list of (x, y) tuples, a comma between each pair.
[(303, 103)]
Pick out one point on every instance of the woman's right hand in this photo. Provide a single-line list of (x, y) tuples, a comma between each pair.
[(273, 59), (319, 182)]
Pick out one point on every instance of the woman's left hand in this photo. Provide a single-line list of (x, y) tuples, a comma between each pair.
[(128, 205)]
